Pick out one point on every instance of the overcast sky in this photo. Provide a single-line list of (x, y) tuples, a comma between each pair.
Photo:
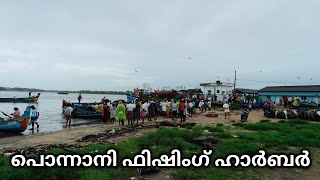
[(118, 45)]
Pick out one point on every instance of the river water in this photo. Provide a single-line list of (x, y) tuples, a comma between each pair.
[(50, 108)]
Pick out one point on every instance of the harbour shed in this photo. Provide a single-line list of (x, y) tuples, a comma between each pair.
[(308, 93)]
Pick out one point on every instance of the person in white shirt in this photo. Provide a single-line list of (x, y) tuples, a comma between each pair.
[(163, 108), (67, 114), (226, 110), (190, 105), (209, 105), (201, 104), (130, 108)]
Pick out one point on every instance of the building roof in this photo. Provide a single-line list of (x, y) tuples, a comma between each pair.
[(307, 88), (217, 83), (246, 91)]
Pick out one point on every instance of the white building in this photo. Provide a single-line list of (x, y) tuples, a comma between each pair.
[(219, 91)]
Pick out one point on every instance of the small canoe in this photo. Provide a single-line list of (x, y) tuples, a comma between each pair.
[(32, 99), (15, 125)]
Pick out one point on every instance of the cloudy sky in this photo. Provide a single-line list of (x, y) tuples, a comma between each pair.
[(118, 45)]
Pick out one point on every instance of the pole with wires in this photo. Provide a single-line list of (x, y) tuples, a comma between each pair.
[(234, 84)]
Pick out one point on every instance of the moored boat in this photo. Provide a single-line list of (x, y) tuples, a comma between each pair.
[(130, 96), (32, 99), (15, 125), (63, 92), (84, 110)]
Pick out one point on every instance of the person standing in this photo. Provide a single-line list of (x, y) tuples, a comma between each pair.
[(121, 113), (185, 111), (296, 102), (174, 108), (79, 98), (136, 111), (29, 94), (163, 108), (290, 101), (190, 108), (209, 105), (130, 115), (181, 111), (112, 113), (34, 115), (67, 114), (16, 113), (151, 111), (226, 110), (105, 113), (201, 104)]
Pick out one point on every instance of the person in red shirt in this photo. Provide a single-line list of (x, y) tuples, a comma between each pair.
[(181, 111)]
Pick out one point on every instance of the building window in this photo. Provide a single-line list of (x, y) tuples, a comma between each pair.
[(209, 91), (223, 92), (218, 91), (304, 98)]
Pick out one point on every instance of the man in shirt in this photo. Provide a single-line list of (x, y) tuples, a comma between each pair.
[(226, 110), (130, 108), (67, 114), (290, 101), (190, 108), (34, 117), (181, 111)]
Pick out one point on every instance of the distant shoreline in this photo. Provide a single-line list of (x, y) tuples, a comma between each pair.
[(56, 91)]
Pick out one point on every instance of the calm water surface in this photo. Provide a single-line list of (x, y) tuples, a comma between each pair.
[(50, 108)]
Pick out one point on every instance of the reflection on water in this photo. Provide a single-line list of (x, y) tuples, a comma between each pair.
[(50, 108)]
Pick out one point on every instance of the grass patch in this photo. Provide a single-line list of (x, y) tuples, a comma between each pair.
[(274, 137)]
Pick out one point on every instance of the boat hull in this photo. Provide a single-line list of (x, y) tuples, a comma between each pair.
[(131, 98), (20, 100), (15, 125), (87, 116), (82, 110)]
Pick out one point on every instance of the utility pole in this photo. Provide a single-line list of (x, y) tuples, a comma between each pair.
[(234, 84)]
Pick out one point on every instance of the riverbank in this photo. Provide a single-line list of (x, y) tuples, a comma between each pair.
[(70, 136), (224, 137)]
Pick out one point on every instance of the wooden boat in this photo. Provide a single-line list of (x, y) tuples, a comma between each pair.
[(83, 110), (32, 99), (63, 92), (15, 125)]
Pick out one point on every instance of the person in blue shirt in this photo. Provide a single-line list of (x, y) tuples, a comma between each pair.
[(34, 117)]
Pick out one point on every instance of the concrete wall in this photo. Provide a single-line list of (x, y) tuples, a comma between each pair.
[(220, 91)]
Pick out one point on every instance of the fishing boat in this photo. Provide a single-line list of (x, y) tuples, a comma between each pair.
[(130, 96), (32, 99), (15, 125), (63, 92), (83, 110)]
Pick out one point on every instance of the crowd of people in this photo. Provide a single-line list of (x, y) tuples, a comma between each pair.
[(138, 110)]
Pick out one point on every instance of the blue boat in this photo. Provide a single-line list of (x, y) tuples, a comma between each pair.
[(130, 97), (16, 125), (87, 116), (83, 110)]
